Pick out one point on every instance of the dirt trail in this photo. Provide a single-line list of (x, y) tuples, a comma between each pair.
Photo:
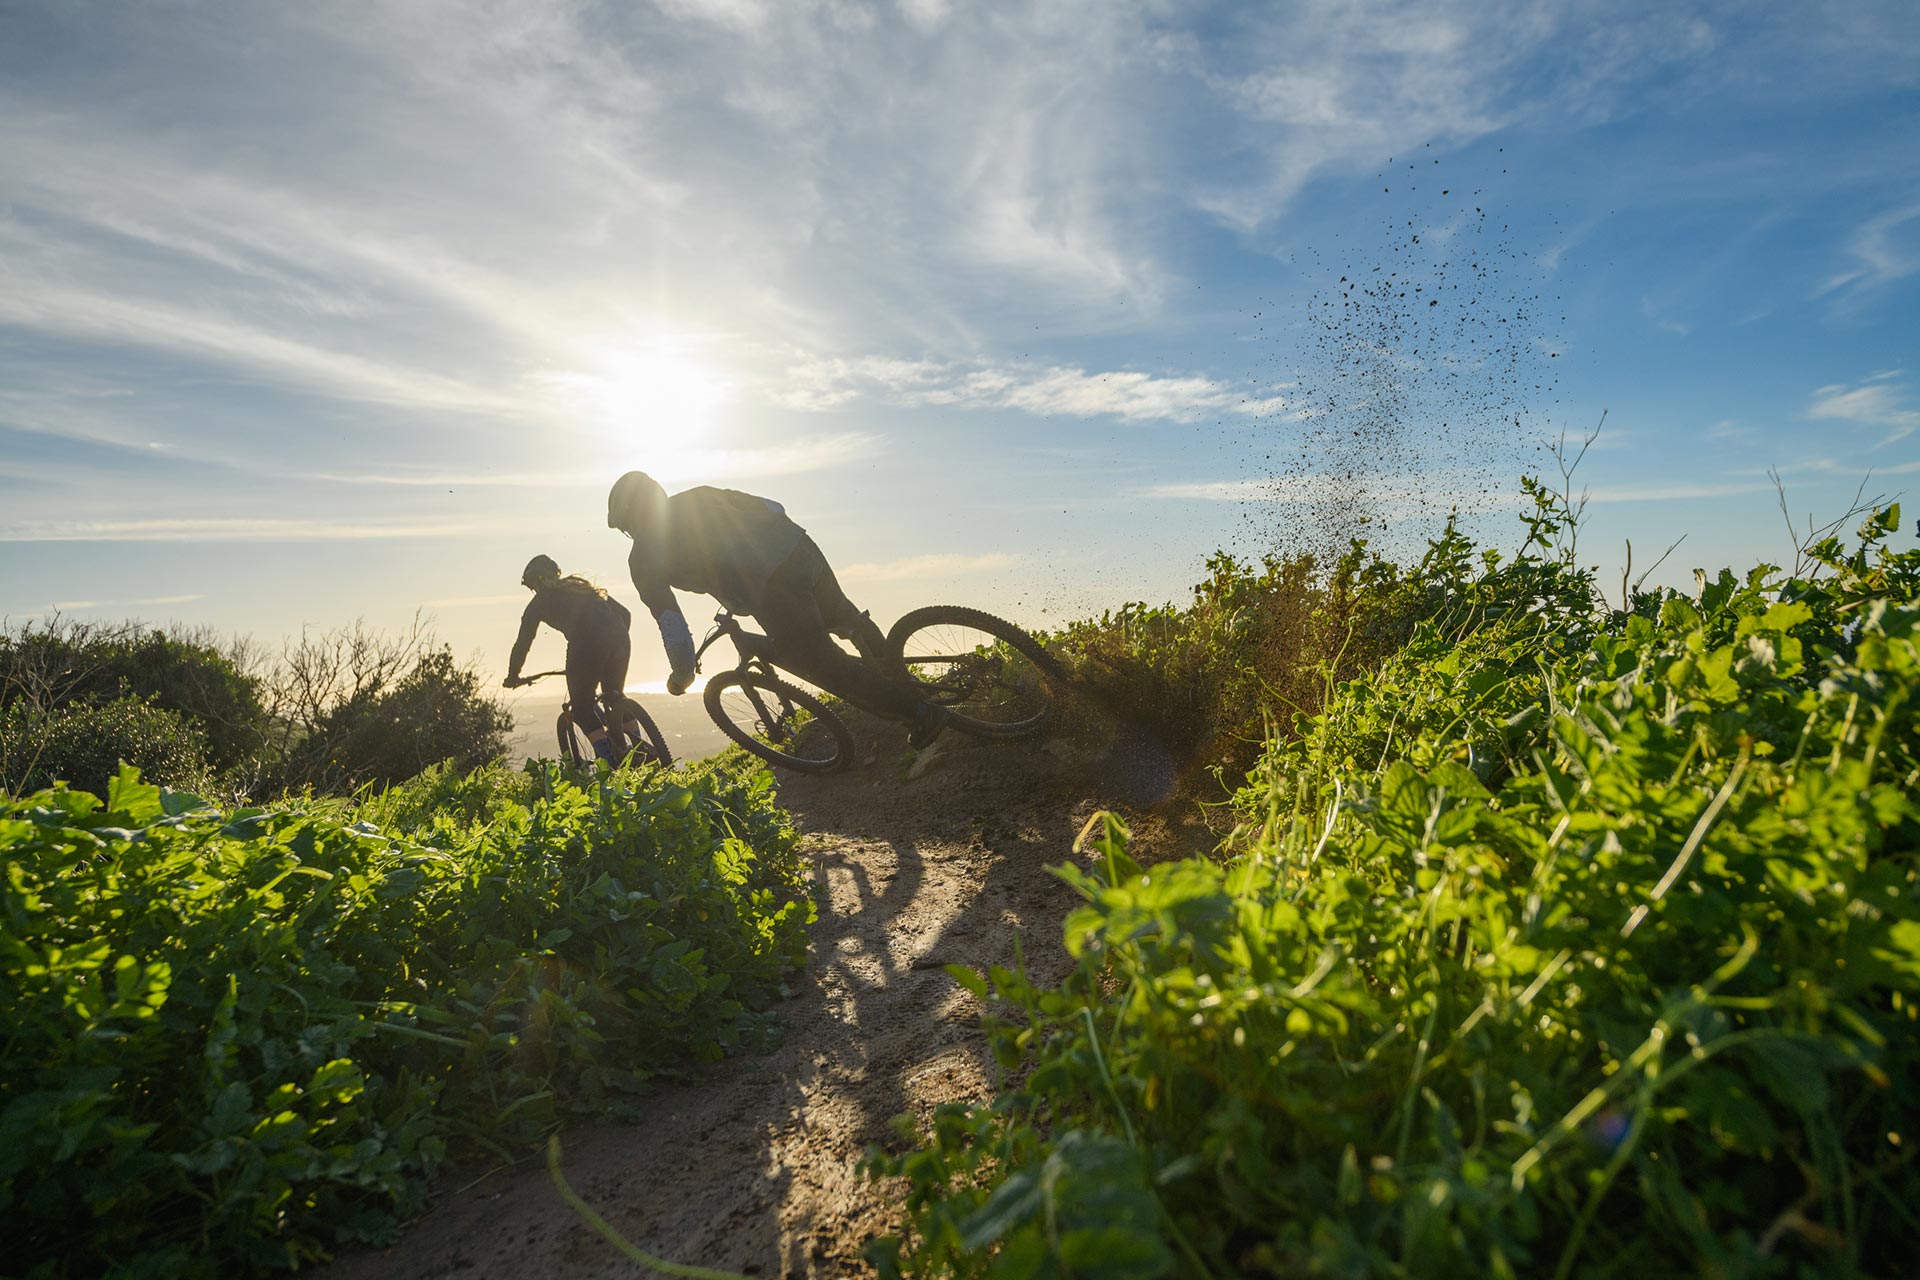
[(753, 1168)]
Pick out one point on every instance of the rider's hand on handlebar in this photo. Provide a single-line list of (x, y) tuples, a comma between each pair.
[(512, 682)]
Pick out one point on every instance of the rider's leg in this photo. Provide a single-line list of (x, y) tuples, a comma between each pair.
[(613, 679), (842, 617), (583, 681), (790, 613)]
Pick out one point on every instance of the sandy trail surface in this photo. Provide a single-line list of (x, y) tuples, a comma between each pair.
[(753, 1168)]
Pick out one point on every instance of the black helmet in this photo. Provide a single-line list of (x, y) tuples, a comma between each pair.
[(635, 500), (540, 569)]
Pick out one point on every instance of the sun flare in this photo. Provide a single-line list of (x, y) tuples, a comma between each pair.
[(650, 396)]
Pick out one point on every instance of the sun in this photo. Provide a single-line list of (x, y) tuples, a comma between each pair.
[(651, 393)]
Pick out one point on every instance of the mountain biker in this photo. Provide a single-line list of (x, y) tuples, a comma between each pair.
[(598, 647), (744, 551)]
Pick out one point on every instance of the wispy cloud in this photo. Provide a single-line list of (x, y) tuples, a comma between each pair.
[(1883, 249), (82, 606), (927, 566), (1879, 401), (1405, 496), (1057, 391), (1675, 492), (707, 465), (232, 530)]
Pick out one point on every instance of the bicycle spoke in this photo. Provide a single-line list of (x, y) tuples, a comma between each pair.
[(975, 673)]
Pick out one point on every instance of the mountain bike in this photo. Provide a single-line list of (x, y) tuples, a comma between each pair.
[(995, 680), (575, 748)]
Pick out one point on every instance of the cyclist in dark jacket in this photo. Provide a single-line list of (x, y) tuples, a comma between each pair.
[(744, 552), (598, 647)]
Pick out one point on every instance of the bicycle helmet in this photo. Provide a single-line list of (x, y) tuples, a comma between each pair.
[(540, 571), (635, 500)]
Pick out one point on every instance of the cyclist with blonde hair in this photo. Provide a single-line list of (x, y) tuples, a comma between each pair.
[(598, 647)]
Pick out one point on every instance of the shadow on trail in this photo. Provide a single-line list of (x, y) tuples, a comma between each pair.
[(752, 1165)]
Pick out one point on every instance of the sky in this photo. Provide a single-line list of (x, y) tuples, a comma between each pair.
[(333, 311)]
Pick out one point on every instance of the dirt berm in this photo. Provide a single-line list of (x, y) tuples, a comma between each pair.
[(752, 1168)]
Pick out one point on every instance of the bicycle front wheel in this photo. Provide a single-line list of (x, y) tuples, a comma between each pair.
[(779, 723), (995, 679), (570, 749), (652, 743)]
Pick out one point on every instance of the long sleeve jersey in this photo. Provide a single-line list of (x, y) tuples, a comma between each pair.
[(579, 613), (718, 542)]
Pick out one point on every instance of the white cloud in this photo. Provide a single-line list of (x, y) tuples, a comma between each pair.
[(1399, 495), (1879, 401), (1418, 494), (1884, 249), (1056, 391), (927, 566), (236, 529), (77, 606), (1674, 492)]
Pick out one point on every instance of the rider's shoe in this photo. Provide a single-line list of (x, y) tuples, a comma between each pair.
[(928, 721)]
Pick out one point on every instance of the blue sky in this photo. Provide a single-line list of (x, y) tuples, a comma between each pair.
[(317, 312)]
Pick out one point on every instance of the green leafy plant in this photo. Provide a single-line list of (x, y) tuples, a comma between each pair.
[(1569, 941), (239, 1038)]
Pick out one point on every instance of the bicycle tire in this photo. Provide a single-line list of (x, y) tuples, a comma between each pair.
[(569, 744), (835, 730), (1051, 675), (652, 741)]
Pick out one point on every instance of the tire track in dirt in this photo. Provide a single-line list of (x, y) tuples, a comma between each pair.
[(753, 1168)]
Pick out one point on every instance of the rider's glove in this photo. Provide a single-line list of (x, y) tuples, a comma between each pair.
[(677, 682), (512, 682)]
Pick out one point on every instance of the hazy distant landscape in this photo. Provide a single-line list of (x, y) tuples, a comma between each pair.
[(690, 732)]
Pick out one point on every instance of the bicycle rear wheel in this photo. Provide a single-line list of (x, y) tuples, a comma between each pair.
[(995, 679), (779, 723)]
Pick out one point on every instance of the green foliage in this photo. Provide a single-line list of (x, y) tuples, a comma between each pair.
[(1570, 941), (1261, 647), (385, 733), (339, 712), (84, 743), (236, 1039), (53, 667)]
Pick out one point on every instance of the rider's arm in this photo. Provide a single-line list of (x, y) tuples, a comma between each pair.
[(529, 627), (650, 580)]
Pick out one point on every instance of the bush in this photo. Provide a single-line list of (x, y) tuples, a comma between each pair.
[(358, 707), (239, 1038), (83, 744), (77, 698), (1581, 941), (1260, 648), (385, 733)]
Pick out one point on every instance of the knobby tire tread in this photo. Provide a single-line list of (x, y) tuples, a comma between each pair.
[(1017, 638), (842, 736)]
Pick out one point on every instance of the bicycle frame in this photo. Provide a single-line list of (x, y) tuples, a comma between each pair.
[(756, 654), (755, 650)]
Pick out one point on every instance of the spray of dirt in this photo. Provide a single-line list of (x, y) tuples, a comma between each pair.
[(1410, 380)]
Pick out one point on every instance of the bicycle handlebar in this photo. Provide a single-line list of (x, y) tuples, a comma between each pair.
[(541, 676), (723, 624)]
